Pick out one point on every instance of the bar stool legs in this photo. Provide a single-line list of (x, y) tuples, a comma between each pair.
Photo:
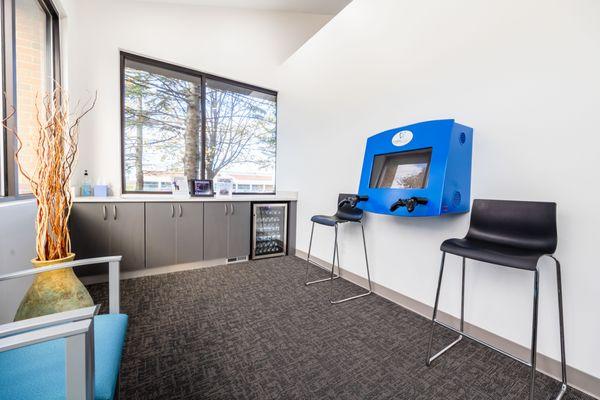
[(333, 275), (435, 309), (536, 287), (561, 323), (533, 359), (368, 273), (306, 281)]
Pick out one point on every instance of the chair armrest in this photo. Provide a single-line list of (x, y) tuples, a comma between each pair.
[(113, 275), (31, 324), (70, 264), (45, 334), (79, 353)]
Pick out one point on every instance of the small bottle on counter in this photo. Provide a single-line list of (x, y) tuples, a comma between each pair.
[(86, 185)]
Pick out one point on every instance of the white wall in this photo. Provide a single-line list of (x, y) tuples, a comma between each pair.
[(525, 74), (239, 44), (17, 248)]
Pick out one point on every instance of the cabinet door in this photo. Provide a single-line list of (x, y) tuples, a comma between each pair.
[(239, 229), (127, 234), (190, 232), (216, 218), (160, 234), (89, 234)]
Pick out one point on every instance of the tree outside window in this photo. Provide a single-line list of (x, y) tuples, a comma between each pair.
[(178, 123)]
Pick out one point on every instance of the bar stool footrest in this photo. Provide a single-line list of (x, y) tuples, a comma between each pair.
[(321, 280), (350, 298)]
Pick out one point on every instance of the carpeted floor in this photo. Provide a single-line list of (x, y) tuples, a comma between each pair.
[(254, 331)]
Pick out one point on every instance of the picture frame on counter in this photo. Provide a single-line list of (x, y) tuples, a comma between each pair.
[(224, 187), (180, 186), (201, 188)]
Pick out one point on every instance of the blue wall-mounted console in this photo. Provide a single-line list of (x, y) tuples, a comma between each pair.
[(418, 170)]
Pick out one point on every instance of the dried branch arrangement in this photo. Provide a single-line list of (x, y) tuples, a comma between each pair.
[(57, 134)]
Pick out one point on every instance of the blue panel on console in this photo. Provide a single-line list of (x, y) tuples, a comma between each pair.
[(418, 170)]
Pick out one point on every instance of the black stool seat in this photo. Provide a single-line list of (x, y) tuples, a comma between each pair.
[(493, 253), (345, 213), (509, 233), (330, 220)]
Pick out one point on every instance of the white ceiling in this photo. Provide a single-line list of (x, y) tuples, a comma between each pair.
[(330, 7)]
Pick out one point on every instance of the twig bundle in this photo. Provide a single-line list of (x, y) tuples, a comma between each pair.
[(56, 154)]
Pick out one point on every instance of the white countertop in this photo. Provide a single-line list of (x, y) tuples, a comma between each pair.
[(149, 198)]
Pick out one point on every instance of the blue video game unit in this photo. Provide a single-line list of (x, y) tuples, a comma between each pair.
[(418, 170)]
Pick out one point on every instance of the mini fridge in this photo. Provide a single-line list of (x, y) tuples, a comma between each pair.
[(269, 229)]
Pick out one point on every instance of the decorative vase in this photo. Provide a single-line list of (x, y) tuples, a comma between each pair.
[(53, 291)]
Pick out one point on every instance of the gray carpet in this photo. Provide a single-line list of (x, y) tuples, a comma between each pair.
[(254, 331)]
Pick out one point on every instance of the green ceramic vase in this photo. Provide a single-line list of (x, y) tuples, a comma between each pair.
[(53, 292)]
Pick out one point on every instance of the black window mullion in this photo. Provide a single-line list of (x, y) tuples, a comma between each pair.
[(10, 99), (203, 130)]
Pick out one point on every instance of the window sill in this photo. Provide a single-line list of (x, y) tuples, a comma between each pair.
[(16, 200)]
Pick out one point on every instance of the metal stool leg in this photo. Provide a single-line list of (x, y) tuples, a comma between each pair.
[(563, 364), (308, 261), (561, 322), (536, 286), (368, 272), (462, 298), (435, 310)]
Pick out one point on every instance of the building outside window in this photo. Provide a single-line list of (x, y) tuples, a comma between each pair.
[(34, 77), (181, 122), (32, 67)]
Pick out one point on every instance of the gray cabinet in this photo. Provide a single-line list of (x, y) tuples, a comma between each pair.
[(160, 234), (89, 225), (216, 221), (156, 234), (126, 236), (190, 232), (102, 229), (174, 233), (238, 244), (226, 230)]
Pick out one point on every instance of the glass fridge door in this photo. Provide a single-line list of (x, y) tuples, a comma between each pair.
[(269, 237)]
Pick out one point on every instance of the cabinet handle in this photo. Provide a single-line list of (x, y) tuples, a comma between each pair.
[(104, 211), (115, 211), (232, 209), (226, 209), (180, 211), (172, 211)]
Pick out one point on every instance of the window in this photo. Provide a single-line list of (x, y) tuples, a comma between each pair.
[(31, 68), (181, 122)]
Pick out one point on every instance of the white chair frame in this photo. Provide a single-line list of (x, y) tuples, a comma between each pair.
[(76, 326)]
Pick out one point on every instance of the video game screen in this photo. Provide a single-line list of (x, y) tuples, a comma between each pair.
[(401, 170)]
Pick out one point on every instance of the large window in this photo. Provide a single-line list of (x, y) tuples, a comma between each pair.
[(31, 69), (180, 122)]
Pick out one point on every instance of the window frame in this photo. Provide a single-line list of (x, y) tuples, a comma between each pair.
[(10, 174), (125, 56)]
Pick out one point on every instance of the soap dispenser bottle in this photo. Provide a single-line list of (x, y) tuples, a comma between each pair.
[(86, 185)]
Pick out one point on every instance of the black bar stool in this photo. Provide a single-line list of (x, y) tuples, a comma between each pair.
[(346, 212), (512, 234)]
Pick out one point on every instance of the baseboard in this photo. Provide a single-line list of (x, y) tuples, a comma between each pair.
[(90, 280), (576, 378)]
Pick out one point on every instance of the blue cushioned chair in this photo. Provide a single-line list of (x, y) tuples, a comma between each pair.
[(69, 355)]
